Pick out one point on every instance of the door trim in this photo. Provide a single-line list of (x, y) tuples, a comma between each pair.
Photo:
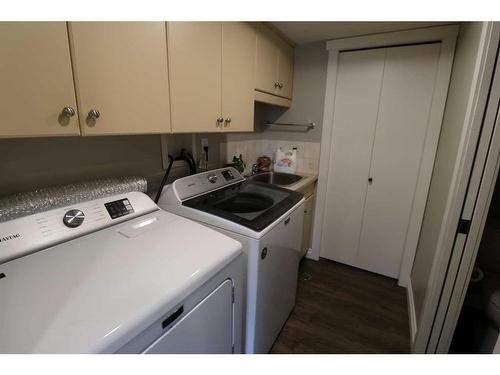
[(472, 123), (476, 208), (412, 315), (446, 35)]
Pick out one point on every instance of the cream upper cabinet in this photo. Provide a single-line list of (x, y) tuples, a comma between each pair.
[(274, 70), (121, 77), (238, 75), (266, 77), (212, 76), (285, 70), (37, 96), (195, 64)]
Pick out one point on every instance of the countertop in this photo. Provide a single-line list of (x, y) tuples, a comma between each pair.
[(308, 178)]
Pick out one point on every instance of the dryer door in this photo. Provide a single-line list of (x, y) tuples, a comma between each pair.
[(207, 328)]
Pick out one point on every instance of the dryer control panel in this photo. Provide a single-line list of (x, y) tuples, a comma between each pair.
[(31, 233), (119, 208)]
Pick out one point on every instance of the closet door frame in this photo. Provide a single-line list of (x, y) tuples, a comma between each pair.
[(446, 35)]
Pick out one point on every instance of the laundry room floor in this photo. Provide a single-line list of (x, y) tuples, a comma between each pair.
[(342, 309)]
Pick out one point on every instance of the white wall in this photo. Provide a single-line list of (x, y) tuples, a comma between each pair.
[(455, 119)]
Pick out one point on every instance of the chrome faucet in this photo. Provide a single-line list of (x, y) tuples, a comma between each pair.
[(255, 169)]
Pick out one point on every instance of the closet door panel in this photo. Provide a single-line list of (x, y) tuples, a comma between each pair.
[(355, 113), (405, 104)]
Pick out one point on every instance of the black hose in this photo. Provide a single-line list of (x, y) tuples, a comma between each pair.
[(193, 163), (188, 158), (165, 177)]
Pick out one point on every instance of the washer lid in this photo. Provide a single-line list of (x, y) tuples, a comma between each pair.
[(254, 205), (94, 293)]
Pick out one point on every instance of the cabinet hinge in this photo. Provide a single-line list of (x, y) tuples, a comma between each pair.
[(464, 226)]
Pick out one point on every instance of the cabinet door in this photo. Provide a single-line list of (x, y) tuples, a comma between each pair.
[(238, 75), (266, 76), (308, 218), (285, 70), (121, 71), (195, 63), (402, 125), (359, 80), (36, 81)]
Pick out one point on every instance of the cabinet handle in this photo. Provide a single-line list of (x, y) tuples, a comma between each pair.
[(68, 112), (276, 85), (219, 122), (370, 180), (280, 85), (94, 114), (263, 253), (227, 122), (287, 220)]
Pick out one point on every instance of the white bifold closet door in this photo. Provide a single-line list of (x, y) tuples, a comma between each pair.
[(383, 101)]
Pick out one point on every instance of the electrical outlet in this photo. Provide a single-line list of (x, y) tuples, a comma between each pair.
[(204, 154), (204, 143)]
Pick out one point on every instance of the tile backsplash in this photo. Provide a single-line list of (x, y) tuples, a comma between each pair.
[(307, 152)]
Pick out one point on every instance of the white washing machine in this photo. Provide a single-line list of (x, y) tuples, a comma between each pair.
[(118, 275), (267, 220)]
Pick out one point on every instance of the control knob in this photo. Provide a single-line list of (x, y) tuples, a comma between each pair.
[(212, 178), (73, 218)]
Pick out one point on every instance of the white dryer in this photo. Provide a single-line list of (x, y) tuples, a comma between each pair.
[(118, 275), (268, 221)]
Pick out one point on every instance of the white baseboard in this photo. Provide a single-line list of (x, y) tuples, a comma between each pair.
[(403, 282), (411, 311)]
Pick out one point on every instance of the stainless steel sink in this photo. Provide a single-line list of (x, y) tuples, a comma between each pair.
[(276, 178)]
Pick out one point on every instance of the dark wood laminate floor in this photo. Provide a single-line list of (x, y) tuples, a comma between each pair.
[(342, 309)]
